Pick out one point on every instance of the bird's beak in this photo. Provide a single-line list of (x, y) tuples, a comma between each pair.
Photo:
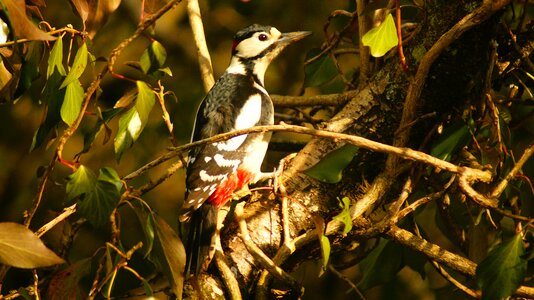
[(291, 37)]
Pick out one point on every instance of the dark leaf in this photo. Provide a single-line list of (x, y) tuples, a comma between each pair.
[(381, 265), (330, 168), (99, 11), (66, 284), (21, 248), (53, 97), (454, 138), (503, 270), (320, 71), (168, 254)]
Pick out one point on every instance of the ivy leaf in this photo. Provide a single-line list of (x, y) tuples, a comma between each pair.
[(153, 58), (80, 183), (168, 254), (503, 270), (78, 66), (97, 197), (72, 104), (98, 205), (382, 38), (55, 60), (344, 215), (132, 123), (330, 168), (21, 248), (381, 265), (320, 71)]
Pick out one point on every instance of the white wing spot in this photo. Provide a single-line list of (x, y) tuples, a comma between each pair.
[(196, 189), (223, 162), (204, 176), (207, 159)]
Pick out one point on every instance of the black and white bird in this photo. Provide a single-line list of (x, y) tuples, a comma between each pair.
[(238, 100)]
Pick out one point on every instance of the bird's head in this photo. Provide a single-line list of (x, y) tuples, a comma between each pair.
[(256, 46)]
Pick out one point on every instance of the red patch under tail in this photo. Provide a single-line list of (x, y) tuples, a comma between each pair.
[(234, 182)]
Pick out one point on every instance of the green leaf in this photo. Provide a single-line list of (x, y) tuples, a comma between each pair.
[(98, 205), (454, 138), (78, 66), (70, 109), (382, 38), (325, 250), (320, 71), (80, 183), (97, 197), (344, 215), (55, 60), (132, 123), (53, 97), (21, 248), (330, 168), (503, 270), (381, 265), (168, 254), (153, 58)]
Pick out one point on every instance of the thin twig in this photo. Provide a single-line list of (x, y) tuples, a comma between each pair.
[(67, 211), (499, 189)]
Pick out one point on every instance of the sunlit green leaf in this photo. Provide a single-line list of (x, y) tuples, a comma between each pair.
[(382, 38), (503, 270), (78, 66), (55, 60), (21, 248), (70, 109), (80, 182), (153, 57), (381, 265), (320, 71), (330, 168), (344, 215), (132, 123), (325, 250)]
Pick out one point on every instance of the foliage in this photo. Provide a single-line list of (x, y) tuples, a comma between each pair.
[(68, 91)]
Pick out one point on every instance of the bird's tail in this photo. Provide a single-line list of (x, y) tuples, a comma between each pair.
[(201, 230)]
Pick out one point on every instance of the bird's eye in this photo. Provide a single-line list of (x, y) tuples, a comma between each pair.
[(262, 37)]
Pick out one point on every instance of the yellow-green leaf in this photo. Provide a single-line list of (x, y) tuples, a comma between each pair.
[(55, 60), (382, 38), (78, 66), (344, 215), (153, 57), (72, 104)]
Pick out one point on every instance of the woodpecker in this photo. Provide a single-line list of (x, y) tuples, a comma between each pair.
[(238, 100)]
